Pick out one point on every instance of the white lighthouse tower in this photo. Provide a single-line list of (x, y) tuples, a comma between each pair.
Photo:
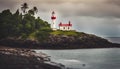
[(53, 18)]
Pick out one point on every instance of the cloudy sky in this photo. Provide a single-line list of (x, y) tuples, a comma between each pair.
[(100, 17)]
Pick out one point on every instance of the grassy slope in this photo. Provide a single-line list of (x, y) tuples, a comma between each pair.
[(67, 33)]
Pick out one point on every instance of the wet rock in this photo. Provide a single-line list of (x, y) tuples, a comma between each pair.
[(25, 59)]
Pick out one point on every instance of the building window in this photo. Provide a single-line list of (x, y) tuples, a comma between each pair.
[(63, 27), (68, 28)]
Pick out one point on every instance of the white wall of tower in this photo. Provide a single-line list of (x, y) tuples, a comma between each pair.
[(53, 24)]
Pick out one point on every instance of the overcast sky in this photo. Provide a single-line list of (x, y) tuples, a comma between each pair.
[(100, 17)]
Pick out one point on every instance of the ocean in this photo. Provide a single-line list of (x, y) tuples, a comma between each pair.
[(87, 58), (104, 58), (113, 39)]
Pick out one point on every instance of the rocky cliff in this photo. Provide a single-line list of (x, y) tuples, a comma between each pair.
[(76, 40)]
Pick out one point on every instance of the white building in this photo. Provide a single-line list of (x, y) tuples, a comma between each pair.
[(65, 26)]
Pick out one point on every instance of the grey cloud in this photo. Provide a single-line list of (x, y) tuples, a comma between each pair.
[(102, 8), (101, 26), (9, 4), (96, 8), (115, 2)]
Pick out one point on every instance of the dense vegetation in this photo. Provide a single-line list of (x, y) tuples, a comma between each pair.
[(23, 25)]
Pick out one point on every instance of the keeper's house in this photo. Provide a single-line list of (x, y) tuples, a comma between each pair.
[(65, 26)]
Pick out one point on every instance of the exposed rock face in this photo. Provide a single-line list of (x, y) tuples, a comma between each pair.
[(26, 59), (75, 42), (62, 42)]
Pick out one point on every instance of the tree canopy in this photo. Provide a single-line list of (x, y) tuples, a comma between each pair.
[(19, 26)]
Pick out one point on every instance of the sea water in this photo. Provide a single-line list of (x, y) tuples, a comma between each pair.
[(86, 58)]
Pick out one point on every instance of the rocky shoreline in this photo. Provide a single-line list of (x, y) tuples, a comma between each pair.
[(17, 58), (84, 41)]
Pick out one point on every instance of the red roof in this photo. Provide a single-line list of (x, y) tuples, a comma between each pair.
[(68, 24)]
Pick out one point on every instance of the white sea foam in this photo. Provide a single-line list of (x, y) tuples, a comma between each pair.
[(69, 61)]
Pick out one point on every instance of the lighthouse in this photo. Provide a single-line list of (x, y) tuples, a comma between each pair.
[(53, 18)]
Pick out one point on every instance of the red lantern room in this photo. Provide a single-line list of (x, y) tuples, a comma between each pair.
[(53, 17)]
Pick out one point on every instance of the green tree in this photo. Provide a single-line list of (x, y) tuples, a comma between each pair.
[(35, 9), (31, 12), (17, 20), (24, 7), (43, 34), (5, 23), (28, 24), (15, 25)]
